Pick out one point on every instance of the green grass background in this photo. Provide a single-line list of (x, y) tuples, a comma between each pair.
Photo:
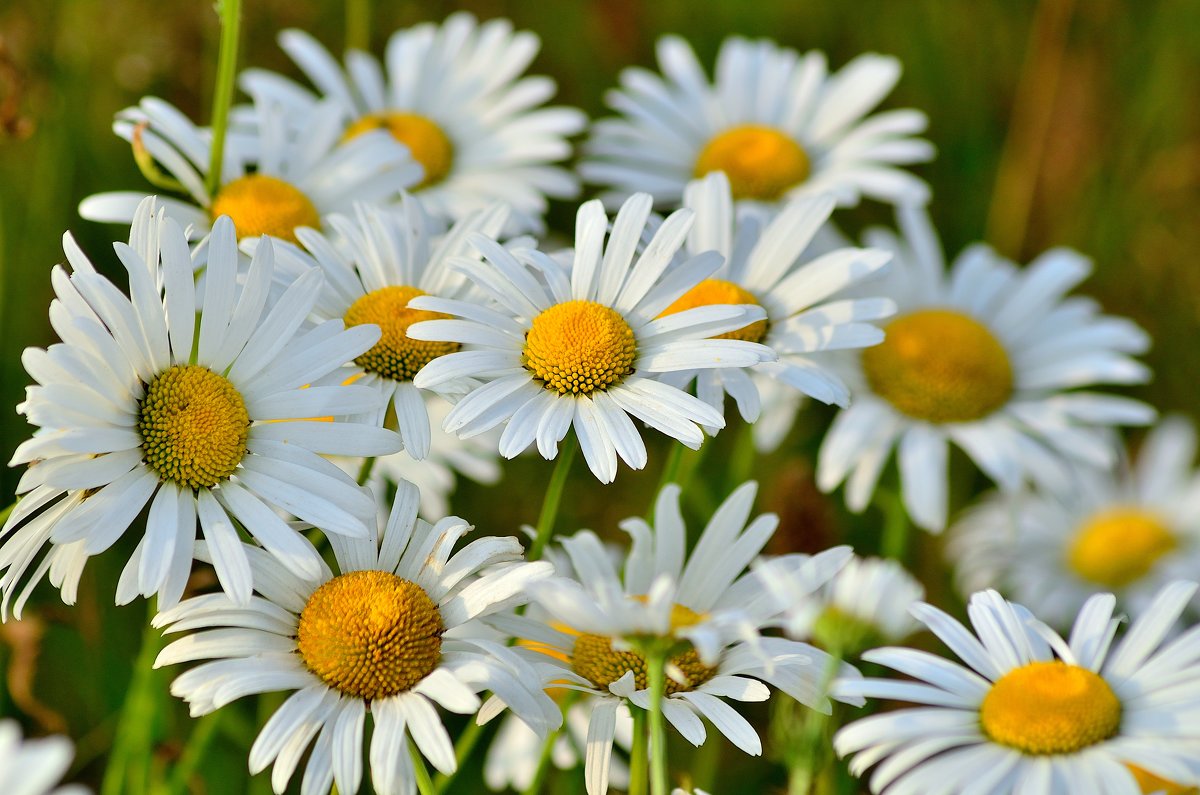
[(1056, 123)]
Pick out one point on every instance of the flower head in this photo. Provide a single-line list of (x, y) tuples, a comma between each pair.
[(392, 632), (203, 423), (33, 767)]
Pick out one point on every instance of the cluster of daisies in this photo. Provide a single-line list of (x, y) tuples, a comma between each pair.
[(308, 348)]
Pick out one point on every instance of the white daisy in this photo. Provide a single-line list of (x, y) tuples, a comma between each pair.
[(1128, 530), (581, 348), (866, 603), (1031, 712), (393, 632), (271, 182), (380, 260), (707, 602), (140, 406), (762, 267), (773, 120), (982, 356), (33, 767), (454, 95)]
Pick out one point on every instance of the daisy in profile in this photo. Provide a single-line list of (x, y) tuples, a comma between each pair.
[(803, 312), (580, 347), (773, 120), (33, 767), (1032, 712), (988, 356), (392, 632), (708, 603), (865, 604), (272, 181), (1128, 530), (379, 261), (455, 96), (171, 401)]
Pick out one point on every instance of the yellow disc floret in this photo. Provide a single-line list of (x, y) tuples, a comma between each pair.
[(194, 426), (425, 140), (940, 365), (580, 347), (1050, 708), (1150, 783), (396, 356), (712, 292), (370, 634), (761, 162), (594, 658), (262, 205), (1118, 547)]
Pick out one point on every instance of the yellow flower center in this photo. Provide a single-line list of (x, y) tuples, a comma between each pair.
[(426, 142), (193, 425), (1118, 547), (1148, 783), (940, 365), (370, 634), (761, 162), (262, 205), (1050, 708), (396, 356), (580, 347), (594, 658), (712, 292)]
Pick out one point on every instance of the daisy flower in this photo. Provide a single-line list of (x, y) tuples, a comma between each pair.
[(454, 95), (762, 268), (982, 356), (1031, 712), (866, 603), (1128, 530), (392, 633), (379, 262), (773, 120), (141, 406), (32, 767), (271, 182), (581, 346), (707, 603)]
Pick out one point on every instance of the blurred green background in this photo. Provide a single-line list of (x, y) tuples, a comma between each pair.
[(1056, 123)]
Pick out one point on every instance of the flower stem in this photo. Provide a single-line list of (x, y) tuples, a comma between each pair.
[(656, 674), (364, 471), (231, 23), (543, 763), (638, 755), (424, 785), (896, 527), (193, 753), (358, 24), (134, 737), (553, 498), (463, 748)]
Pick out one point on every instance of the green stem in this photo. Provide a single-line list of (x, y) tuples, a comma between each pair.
[(670, 472), (364, 471), (638, 755), (741, 463), (656, 674), (462, 752), (896, 527), (358, 24), (193, 754), (424, 785), (231, 23), (134, 737), (543, 765), (553, 498)]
